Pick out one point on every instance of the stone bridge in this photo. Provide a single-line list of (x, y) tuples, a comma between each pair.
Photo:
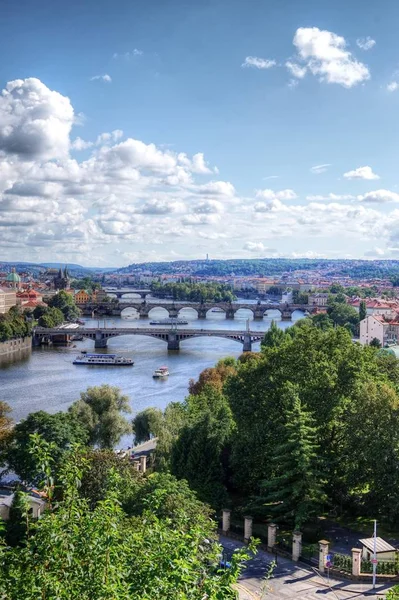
[(120, 293), (173, 308), (172, 337)]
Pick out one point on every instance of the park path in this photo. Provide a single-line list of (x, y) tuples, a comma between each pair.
[(294, 581)]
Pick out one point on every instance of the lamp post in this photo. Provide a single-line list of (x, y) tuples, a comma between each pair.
[(375, 554)]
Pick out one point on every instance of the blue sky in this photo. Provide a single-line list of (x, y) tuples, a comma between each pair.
[(214, 114)]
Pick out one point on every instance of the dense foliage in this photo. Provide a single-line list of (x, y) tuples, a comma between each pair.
[(60, 307), (309, 424), (194, 292), (13, 325), (87, 549), (86, 283)]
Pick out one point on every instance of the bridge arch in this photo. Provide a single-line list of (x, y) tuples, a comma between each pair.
[(130, 311), (215, 312), (188, 312), (244, 313), (272, 313), (158, 312)]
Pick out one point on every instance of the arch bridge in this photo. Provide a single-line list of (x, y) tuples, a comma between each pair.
[(173, 308), (119, 293), (172, 337)]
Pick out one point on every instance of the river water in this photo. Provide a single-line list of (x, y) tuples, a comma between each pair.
[(47, 380)]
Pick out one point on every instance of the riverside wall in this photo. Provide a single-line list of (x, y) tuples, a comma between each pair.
[(12, 348)]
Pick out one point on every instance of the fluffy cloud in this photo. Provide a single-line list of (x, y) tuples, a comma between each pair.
[(366, 43), (330, 197), (361, 173), (217, 188), (199, 219), (79, 144), (325, 55), (393, 86), (35, 122), (128, 55), (317, 169), (296, 70), (258, 63), (282, 195), (379, 197), (209, 207), (107, 78), (254, 247), (156, 206)]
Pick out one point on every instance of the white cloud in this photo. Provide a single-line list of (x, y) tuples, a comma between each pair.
[(258, 63), (217, 188), (392, 86), (201, 219), (128, 55), (272, 205), (296, 70), (375, 252), (209, 207), (366, 43), (325, 55), (379, 197), (270, 177), (330, 197), (107, 78), (156, 206), (361, 173), (106, 137), (254, 247), (317, 169), (283, 195), (35, 121), (197, 164), (79, 144)]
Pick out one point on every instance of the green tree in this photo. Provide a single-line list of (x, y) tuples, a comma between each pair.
[(294, 494), (51, 318), (66, 304), (61, 429), (197, 452), (273, 337), (362, 310), (17, 526), (322, 321), (375, 343), (100, 410), (147, 423), (78, 552)]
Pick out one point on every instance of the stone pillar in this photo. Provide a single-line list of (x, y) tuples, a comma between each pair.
[(247, 345), (100, 340), (201, 313), (247, 528), (286, 315), (143, 463), (258, 315), (296, 545), (173, 341), (173, 312), (271, 535), (226, 520), (356, 561), (230, 313), (323, 551)]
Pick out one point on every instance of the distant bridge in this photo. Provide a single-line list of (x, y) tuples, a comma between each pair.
[(119, 293), (173, 308), (172, 337)]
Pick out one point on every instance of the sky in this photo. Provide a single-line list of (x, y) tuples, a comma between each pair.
[(135, 131)]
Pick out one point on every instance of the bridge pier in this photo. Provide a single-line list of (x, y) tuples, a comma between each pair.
[(247, 345), (100, 341), (201, 313), (230, 313), (258, 315), (286, 315), (173, 341), (173, 313)]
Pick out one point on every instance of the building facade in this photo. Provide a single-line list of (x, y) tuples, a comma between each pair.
[(380, 327), (8, 299)]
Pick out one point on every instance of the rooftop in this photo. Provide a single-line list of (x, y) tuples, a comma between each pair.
[(381, 545)]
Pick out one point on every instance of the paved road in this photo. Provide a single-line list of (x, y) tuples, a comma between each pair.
[(292, 581)]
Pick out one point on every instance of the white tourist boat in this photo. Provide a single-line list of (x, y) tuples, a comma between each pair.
[(112, 360), (161, 372)]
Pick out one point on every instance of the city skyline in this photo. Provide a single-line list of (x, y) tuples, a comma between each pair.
[(132, 133)]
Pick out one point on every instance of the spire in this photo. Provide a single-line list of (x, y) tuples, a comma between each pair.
[(66, 274), (60, 273)]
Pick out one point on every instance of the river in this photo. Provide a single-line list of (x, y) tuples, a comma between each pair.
[(47, 379)]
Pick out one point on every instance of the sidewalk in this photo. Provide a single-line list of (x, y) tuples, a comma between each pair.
[(295, 581)]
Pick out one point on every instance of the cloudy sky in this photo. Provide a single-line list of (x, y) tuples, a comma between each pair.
[(168, 129)]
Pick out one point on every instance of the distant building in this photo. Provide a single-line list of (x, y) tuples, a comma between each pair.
[(29, 299), (13, 279), (320, 299), (287, 296), (99, 296), (62, 280), (376, 306), (8, 299), (82, 297), (384, 329)]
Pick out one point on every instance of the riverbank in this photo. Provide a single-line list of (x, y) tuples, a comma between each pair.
[(18, 345)]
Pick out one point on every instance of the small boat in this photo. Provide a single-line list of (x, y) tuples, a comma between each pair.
[(161, 372), (110, 360), (216, 309)]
